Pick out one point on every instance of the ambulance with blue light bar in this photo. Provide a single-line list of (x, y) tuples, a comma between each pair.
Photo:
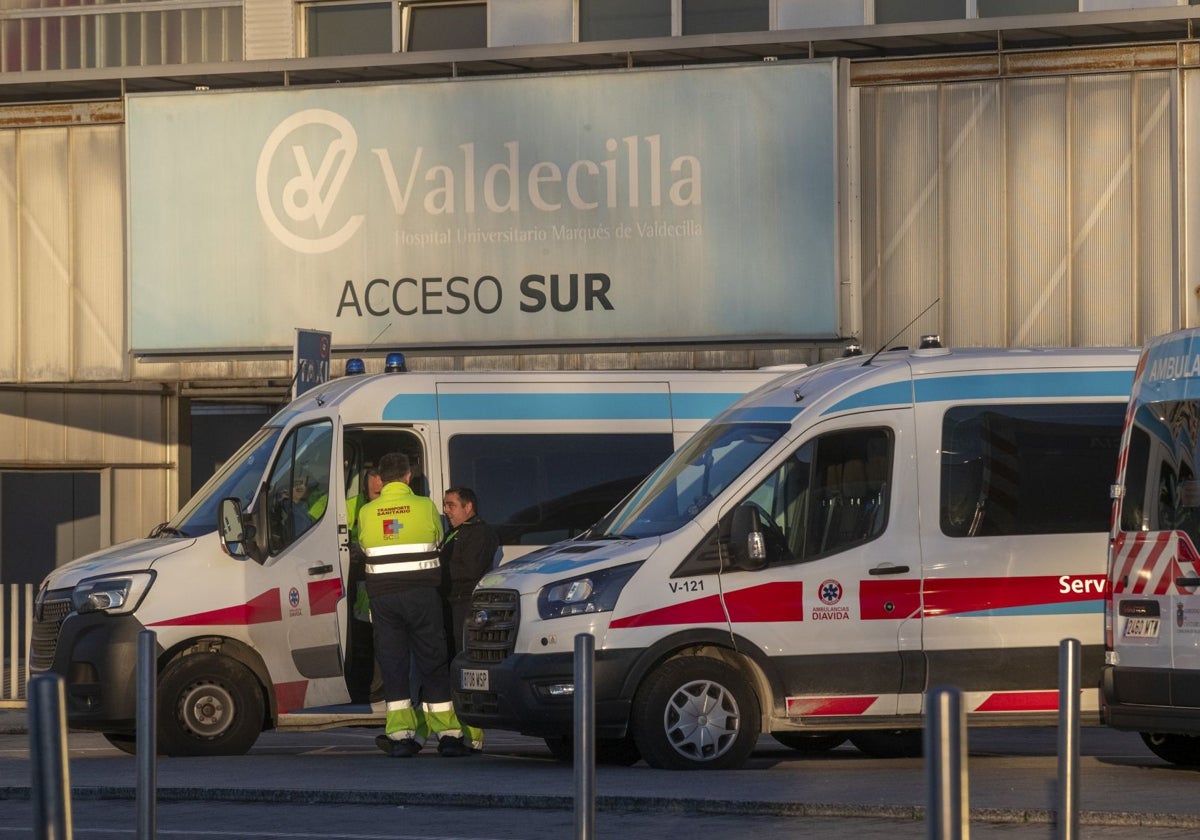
[(817, 557), (249, 588), (1151, 677)]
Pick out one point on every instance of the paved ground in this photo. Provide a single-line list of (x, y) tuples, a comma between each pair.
[(1012, 779)]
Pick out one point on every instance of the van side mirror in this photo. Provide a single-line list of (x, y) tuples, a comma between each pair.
[(747, 542), (237, 532)]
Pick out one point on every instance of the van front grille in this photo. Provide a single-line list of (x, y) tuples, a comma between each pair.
[(48, 617), (491, 628)]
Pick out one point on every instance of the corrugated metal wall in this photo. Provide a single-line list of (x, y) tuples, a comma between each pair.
[(1039, 210)]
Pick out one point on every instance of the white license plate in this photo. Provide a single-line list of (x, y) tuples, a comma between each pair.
[(1141, 628), (475, 679)]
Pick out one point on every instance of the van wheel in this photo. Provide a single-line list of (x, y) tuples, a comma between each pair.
[(126, 742), (810, 742), (1177, 749), (208, 704), (617, 752), (889, 743), (695, 713)]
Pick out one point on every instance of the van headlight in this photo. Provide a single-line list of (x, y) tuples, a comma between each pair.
[(115, 595), (591, 593)]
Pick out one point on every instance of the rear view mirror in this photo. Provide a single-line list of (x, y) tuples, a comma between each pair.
[(237, 534), (747, 542)]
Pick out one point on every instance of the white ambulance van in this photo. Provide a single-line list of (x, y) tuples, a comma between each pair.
[(250, 634), (1151, 676), (821, 554)]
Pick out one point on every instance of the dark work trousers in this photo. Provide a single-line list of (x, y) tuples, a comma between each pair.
[(410, 642)]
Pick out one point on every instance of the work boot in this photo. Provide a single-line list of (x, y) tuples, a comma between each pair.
[(403, 748), (451, 747)]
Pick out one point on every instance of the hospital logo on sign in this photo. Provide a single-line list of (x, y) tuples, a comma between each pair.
[(392, 527)]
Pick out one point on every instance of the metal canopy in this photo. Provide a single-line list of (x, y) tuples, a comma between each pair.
[(989, 35)]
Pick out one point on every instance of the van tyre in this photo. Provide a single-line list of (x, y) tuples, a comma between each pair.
[(1177, 749), (208, 704), (889, 743), (617, 752), (810, 742), (126, 742), (695, 713)]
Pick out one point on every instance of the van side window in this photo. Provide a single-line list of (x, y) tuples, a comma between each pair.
[(1028, 469), (298, 487), (831, 494), (1162, 492), (538, 489)]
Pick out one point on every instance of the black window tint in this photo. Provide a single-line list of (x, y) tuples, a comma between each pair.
[(1161, 490), (602, 20), (900, 11), (349, 28), (298, 488), (447, 26), (538, 489), (706, 17), (831, 494), (1028, 469)]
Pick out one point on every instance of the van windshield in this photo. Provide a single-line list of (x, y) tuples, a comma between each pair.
[(239, 477), (689, 480)]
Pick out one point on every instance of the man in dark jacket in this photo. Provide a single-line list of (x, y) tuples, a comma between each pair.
[(470, 548)]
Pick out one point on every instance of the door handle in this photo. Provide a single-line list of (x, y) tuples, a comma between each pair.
[(1187, 581), (320, 570), (888, 570)]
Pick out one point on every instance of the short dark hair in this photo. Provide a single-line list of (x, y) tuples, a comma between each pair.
[(393, 467), (467, 496)]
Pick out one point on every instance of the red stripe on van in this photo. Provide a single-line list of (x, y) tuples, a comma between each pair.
[(262, 609), (706, 610), (1020, 701), (782, 601), (950, 596), (889, 599), (290, 695), (818, 706), (323, 595)]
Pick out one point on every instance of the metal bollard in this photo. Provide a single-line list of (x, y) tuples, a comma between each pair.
[(51, 783), (1068, 739), (585, 738), (947, 816), (147, 734)]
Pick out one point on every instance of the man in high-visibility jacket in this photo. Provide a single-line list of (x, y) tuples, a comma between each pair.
[(399, 532)]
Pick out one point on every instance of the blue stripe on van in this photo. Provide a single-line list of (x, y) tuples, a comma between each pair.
[(893, 393), (761, 414), (1095, 607), (411, 408), (565, 406), (569, 406), (701, 406), (983, 386), (1076, 383)]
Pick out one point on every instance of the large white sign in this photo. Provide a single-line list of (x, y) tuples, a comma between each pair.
[(669, 205)]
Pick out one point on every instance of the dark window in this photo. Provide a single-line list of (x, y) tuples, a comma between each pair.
[(603, 20), (446, 26), (1028, 469), (298, 489), (538, 489), (1161, 489), (704, 17), (348, 28), (1005, 8), (831, 494), (901, 11), (47, 519)]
